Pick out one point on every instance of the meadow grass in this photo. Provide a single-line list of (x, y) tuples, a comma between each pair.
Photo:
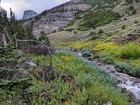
[(96, 86)]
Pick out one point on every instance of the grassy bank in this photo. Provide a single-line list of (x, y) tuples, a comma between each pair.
[(87, 86)]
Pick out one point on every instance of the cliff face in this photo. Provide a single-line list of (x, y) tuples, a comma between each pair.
[(29, 14), (55, 18)]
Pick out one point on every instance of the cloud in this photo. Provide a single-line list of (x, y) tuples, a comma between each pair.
[(18, 6)]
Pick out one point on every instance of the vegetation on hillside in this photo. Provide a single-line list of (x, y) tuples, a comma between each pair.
[(30, 76), (33, 74), (95, 19), (94, 2), (125, 57)]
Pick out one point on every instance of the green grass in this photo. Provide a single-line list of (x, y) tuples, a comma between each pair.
[(89, 86), (125, 57), (95, 85), (94, 2)]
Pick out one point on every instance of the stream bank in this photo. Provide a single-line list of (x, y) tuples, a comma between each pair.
[(129, 84)]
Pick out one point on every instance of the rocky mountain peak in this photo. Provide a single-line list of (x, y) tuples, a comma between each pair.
[(29, 14), (55, 18)]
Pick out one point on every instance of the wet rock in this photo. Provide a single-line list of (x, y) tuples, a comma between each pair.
[(74, 50), (86, 54), (137, 81), (90, 58), (27, 63), (108, 103)]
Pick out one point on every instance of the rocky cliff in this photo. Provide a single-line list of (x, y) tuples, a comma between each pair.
[(55, 18), (29, 14)]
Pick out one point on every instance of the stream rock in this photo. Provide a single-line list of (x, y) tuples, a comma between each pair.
[(27, 62), (108, 103)]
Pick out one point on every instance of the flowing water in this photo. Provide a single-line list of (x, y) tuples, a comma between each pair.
[(129, 84)]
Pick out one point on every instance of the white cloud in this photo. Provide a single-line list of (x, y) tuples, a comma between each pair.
[(18, 6)]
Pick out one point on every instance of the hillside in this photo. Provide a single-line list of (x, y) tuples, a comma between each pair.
[(95, 19), (55, 18), (83, 52), (111, 35)]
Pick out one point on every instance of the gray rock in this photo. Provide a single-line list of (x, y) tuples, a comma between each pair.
[(27, 63), (55, 18), (108, 103), (28, 14)]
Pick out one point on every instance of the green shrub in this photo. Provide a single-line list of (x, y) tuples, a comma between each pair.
[(69, 29), (124, 27), (136, 22), (71, 23), (134, 12), (136, 71), (107, 60), (123, 66), (117, 16), (137, 1), (99, 18), (86, 54), (44, 38), (83, 29), (94, 35), (100, 31), (130, 51), (131, 7), (75, 32)]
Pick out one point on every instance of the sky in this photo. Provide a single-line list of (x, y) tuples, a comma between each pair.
[(19, 6)]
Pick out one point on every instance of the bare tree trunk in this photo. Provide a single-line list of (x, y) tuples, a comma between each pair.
[(6, 33), (16, 45), (4, 40)]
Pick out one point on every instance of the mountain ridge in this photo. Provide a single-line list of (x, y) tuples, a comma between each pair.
[(29, 14), (55, 18)]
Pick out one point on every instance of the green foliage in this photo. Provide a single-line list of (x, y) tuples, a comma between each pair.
[(107, 60), (129, 1), (123, 66), (130, 51), (86, 54), (125, 57), (13, 29), (12, 83), (70, 23), (137, 1), (93, 86), (69, 29), (44, 38), (94, 2), (136, 71), (131, 7), (124, 27), (134, 12), (94, 35), (100, 31), (75, 32), (93, 20)]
